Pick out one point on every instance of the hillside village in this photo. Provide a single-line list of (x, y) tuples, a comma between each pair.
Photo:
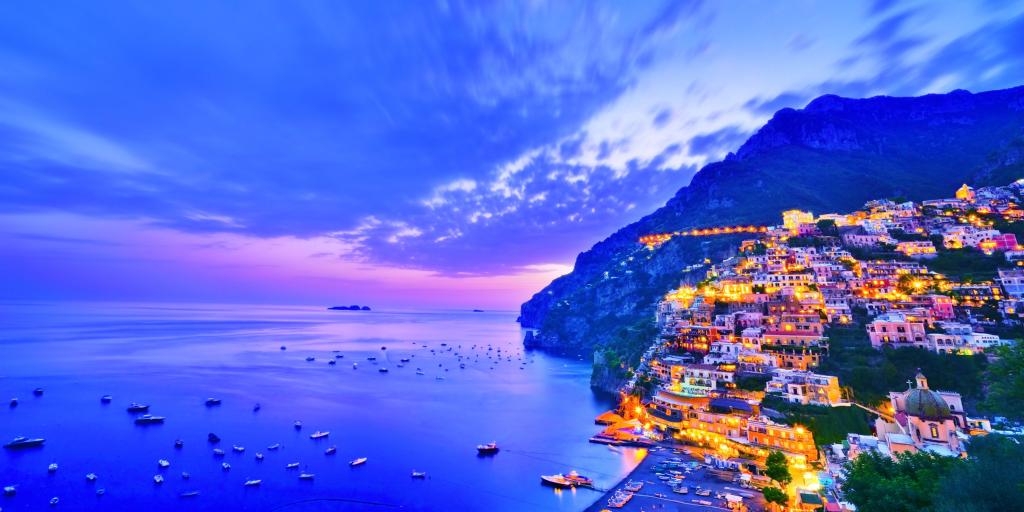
[(754, 358)]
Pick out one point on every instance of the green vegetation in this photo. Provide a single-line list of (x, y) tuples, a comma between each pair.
[(1006, 382), (871, 374), (777, 468), (908, 484), (775, 496), (967, 265), (752, 381), (829, 424), (990, 480)]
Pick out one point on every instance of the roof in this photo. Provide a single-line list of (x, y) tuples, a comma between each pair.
[(926, 404)]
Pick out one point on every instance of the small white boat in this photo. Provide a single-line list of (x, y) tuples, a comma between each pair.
[(189, 494), (163, 463), (101, 491), (91, 477), (292, 465), (382, 370), (319, 435), (158, 479), (10, 490), (52, 468), (274, 446), (419, 474), (259, 456), (253, 483), (217, 452), (54, 501), (297, 425), (238, 449), (306, 476), (358, 462), (185, 475), (355, 366), (331, 450), (420, 372), (225, 465)]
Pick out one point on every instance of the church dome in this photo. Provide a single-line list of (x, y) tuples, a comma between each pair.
[(926, 404)]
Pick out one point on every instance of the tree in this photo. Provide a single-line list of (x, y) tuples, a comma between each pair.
[(992, 478), (1006, 382), (827, 227), (777, 468), (908, 484), (775, 495)]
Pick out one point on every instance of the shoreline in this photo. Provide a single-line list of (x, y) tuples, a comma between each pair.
[(647, 498)]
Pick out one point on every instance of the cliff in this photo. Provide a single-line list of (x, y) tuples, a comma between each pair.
[(833, 155)]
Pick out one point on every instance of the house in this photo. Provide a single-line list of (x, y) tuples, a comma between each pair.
[(806, 388), (924, 420), (1012, 282), (897, 329), (917, 248)]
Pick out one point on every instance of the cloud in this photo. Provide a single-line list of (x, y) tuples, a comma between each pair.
[(662, 118), (714, 145)]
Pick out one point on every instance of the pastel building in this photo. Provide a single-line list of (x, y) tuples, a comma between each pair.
[(924, 420), (898, 330)]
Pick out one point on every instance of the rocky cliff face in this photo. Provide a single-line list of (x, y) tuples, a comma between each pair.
[(833, 155)]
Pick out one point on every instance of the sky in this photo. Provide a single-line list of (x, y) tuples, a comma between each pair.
[(408, 154)]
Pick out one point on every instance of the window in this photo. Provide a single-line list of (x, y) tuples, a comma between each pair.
[(934, 431)]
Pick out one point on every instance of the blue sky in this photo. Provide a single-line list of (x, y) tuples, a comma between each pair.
[(449, 153)]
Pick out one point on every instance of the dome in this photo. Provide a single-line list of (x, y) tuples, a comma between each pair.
[(927, 404)]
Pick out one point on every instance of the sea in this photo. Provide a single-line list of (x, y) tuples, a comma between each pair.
[(428, 414)]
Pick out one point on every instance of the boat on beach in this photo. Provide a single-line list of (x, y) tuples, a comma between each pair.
[(24, 442)]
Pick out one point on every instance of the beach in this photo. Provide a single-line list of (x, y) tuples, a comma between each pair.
[(656, 495)]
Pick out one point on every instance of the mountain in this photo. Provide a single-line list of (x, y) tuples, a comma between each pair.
[(831, 156)]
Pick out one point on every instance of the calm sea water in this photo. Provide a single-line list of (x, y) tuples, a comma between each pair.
[(539, 409)]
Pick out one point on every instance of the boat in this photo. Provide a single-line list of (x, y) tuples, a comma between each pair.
[(371, 358), (101, 491), (310, 359), (439, 378), (331, 451), (185, 475), (619, 499), (106, 399), (419, 474), (682, 489), (405, 360), (339, 356), (24, 442), (332, 362), (149, 419), (274, 446), (52, 468), (137, 407), (292, 465), (420, 372), (297, 425), (210, 402), (163, 463), (189, 494), (558, 481), (382, 370), (259, 456), (10, 490), (357, 462), (158, 479), (91, 477), (306, 476), (217, 452), (256, 408), (487, 449), (355, 366), (238, 449), (319, 435), (37, 391), (14, 402), (284, 347), (213, 438), (225, 465), (634, 485), (579, 480), (178, 443), (54, 501), (253, 483)]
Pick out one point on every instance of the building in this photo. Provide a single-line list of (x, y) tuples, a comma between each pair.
[(924, 420), (792, 219), (1012, 282), (965, 193), (806, 388), (917, 248), (897, 330)]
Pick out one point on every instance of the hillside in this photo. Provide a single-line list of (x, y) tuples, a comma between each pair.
[(833, 155)]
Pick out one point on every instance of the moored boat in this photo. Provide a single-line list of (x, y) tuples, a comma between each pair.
[(358, 462), (419, 474), (137, 407), (149, 419), (24, 442), (319, 435), (253, 483), (210, 402), (306, 476), (556, 481), (487, 449)]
